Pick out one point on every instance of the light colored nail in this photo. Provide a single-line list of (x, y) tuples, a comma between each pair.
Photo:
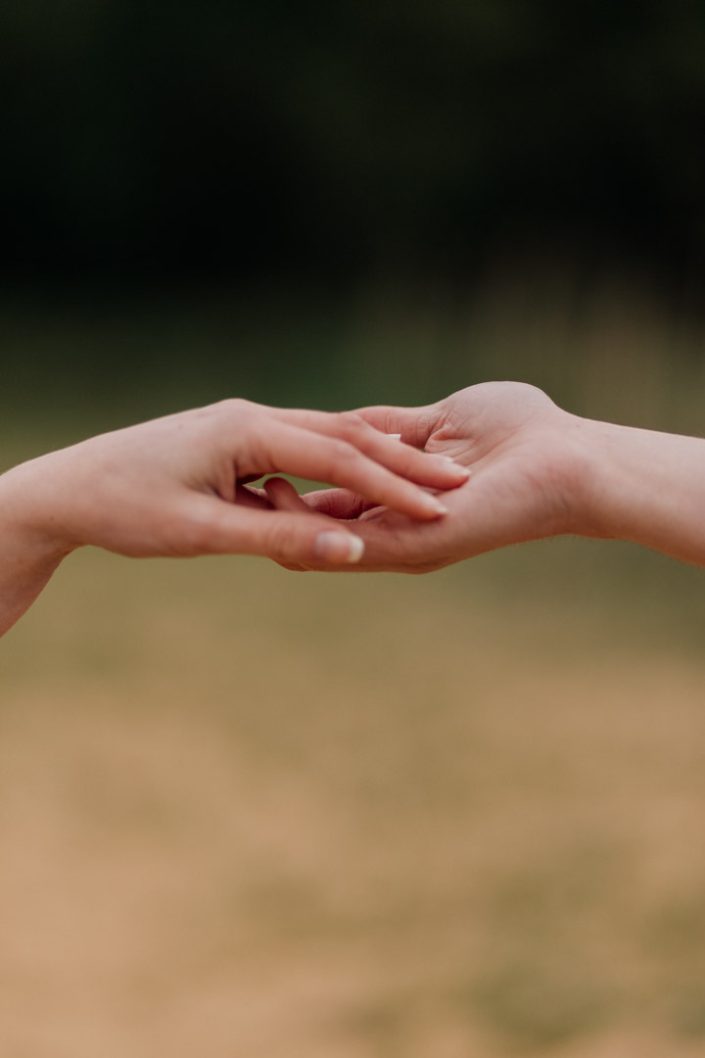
[(459, 469), (395, 436), (433, 505), (340, 547)]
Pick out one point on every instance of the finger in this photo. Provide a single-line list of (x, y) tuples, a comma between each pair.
[(433, 471), (414, 425), (321, 458), (396, 544), (249, 497), (337, 503), (283, 496), (290, 538)]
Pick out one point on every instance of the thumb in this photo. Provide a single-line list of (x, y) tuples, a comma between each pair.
[(292, 538)]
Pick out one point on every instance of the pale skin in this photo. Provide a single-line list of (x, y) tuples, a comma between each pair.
[(536, 471), (508, 464), (177, 486)]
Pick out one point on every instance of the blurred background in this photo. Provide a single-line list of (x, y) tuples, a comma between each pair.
[(249, 813)]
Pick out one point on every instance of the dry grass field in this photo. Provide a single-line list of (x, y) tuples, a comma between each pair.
[(249, 814)]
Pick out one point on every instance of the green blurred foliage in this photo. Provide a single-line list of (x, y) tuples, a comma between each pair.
[(342, 203), (612, 352), (267, 139)]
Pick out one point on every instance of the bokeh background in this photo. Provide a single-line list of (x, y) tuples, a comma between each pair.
[(244, 813)]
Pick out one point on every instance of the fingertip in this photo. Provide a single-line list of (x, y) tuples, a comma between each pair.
[(456, 468), (339, 548), (430, 507), (453, 473)]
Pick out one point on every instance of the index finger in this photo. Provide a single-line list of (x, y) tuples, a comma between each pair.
[(318, 457), (414, 425), (434, 471)]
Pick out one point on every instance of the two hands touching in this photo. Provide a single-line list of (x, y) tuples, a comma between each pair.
[(415, 489)]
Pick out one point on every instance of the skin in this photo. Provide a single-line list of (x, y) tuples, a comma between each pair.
[(513, 466), (536, 471), (177, 486)]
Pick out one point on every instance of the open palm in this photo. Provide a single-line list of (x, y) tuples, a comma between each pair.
[(519, 447)]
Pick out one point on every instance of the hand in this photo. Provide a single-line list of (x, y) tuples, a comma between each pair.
[(174, 486), (523, 454)]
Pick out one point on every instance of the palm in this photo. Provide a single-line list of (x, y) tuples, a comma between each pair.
[(512, 438)]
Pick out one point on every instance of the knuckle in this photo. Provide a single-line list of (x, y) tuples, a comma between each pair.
[(280, 542), (344, 453), (232, 407), (352, 424)]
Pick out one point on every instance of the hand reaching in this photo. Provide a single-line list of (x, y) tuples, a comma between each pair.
[(511, 464), (177, 486), (522, 454)]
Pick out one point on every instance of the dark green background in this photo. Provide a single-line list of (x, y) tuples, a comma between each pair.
[(302, 200), (252, 138)]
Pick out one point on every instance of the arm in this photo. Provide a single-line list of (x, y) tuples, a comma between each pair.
[(645, 487), (28, 558), (535, 471), (177, 486)]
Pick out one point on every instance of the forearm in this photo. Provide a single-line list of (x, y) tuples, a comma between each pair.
[(28, 554), (646, 487)]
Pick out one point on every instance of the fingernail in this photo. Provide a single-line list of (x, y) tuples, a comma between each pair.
[(433, 505), (395, 436), (340, 547), (460, 471)]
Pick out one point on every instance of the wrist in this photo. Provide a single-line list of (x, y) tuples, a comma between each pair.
[(29, 551), (27, 525), (593, 477), (625, 482)]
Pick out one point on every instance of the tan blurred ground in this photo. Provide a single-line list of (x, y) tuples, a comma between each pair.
[(245, 813)]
